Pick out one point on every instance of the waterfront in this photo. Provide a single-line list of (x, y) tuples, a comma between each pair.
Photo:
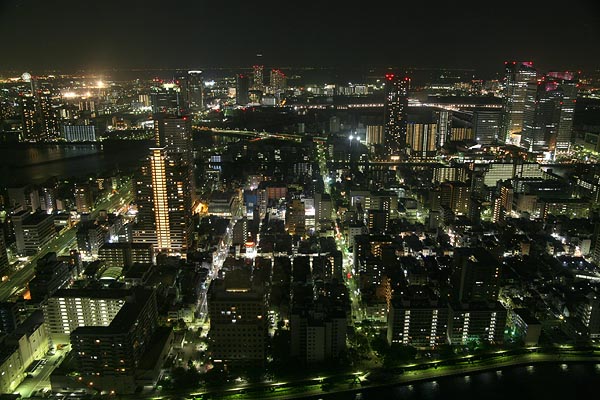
[(547, 381), (35, 163)]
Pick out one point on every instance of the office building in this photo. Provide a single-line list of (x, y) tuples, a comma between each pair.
[(195, 91), (32, 231), (9, 317), (191, 90), (567, 84), (395, 109), (517, 86), (486, 125), (525, 326), (167, 98), (549, 109), (295, 218)]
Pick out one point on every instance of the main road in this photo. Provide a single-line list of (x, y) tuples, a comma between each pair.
[(64, 240)]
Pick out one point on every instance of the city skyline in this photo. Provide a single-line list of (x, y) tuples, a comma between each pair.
[(209, 34), (290, 200)]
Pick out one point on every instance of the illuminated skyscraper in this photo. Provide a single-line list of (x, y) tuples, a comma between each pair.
[(196, 90), (163, 195), (548, 119), (165, 188), (167, 98), (395, 107), (518, 77), (191, 90), (566, 84), (39, 118), (277, 81), (175, 133), (257, 81)]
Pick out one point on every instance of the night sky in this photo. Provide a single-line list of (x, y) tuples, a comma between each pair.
[(81, 34)]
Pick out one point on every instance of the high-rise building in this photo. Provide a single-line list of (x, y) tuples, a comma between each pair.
[(32, 124), (549, 109), (167, 98), (518, 76), (175, 134), (196, 90), (163, 193), (277, 81), (257, 77), (395, 109), (165, 187), (40, 122), (242, 89), (567, 83), (444, 126), (9, 317), (191, 90)]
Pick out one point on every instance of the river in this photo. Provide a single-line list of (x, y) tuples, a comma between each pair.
[(23, 163), (542, 381)]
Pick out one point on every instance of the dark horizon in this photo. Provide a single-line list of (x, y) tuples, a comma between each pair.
[(139, 34)]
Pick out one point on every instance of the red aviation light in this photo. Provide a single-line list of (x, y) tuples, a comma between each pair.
[(389, 77)]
